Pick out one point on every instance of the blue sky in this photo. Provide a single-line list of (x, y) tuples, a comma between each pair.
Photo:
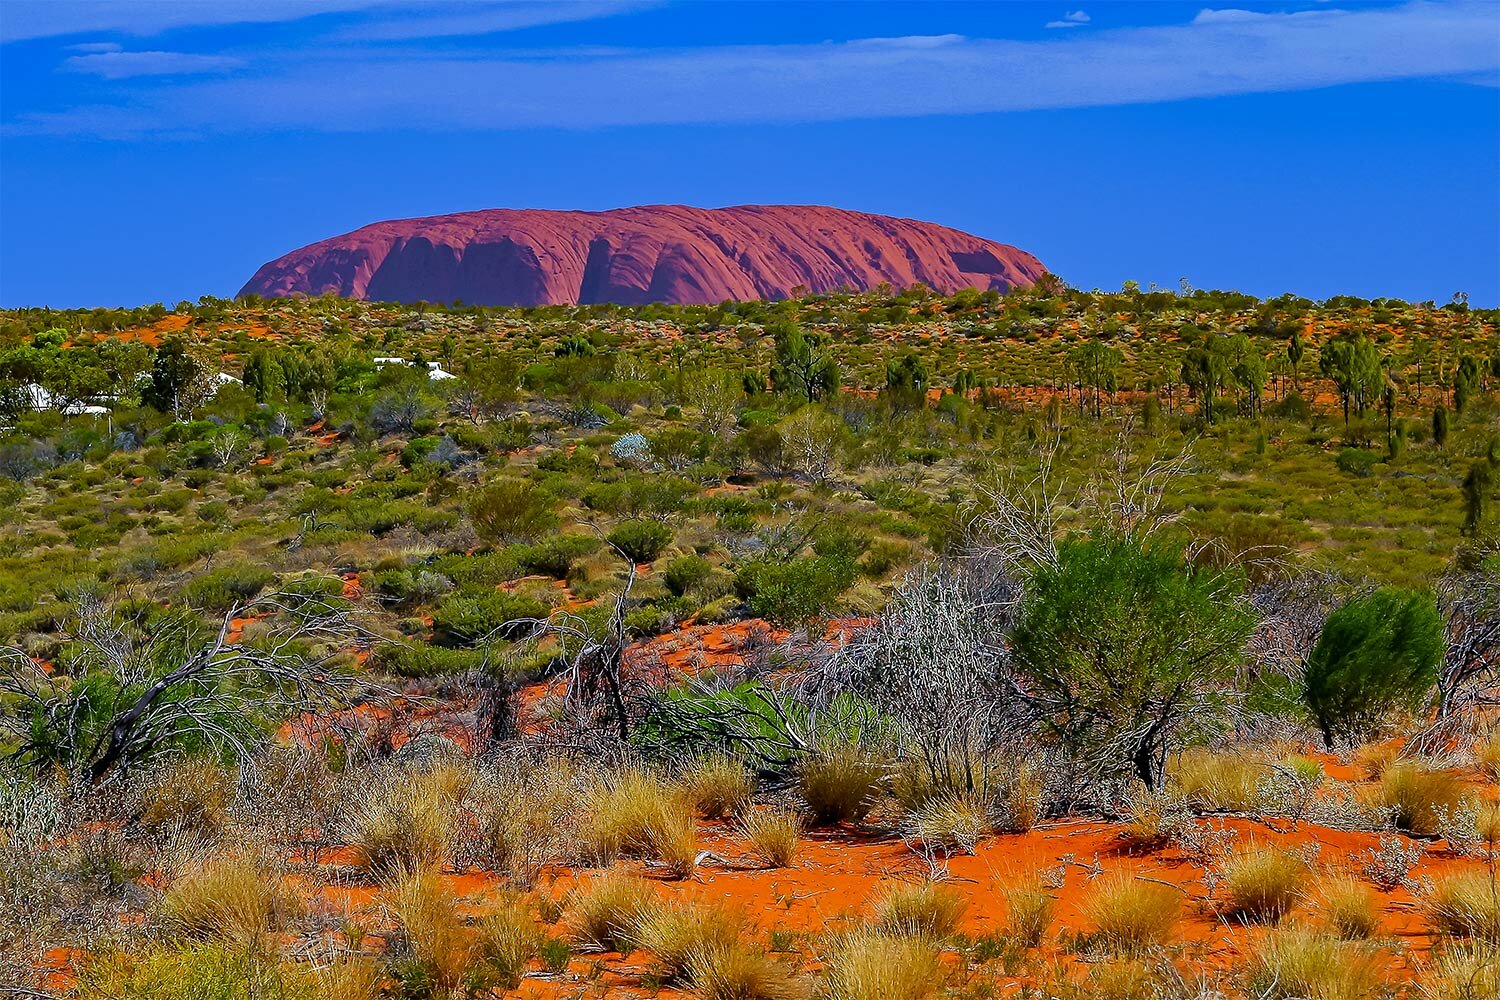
[(155, 151)]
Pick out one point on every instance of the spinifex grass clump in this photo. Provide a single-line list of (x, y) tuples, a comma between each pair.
[(1264, 883), (1129, 914), (1299, 964), (840, 782), (1348, 906), (606, 912), (929, 909), (235, 896), (772, 836), (1030, 907), (869, 965), (636, 814)]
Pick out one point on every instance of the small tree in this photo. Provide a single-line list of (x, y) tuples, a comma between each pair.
[(1477, 487), (1119, 647), (803, 366), (1377, 652), (1440, 426)]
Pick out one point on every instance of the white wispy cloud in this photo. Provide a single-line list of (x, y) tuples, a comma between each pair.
[(377, 19), (1072, 19), (353, 88), (114, 64)]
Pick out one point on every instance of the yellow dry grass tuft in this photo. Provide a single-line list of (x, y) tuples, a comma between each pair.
[(1466, 973), (1218, 781), (1303, 965), (673, 932), (772, 836), (929, 909), (1030, 906), (636, 814), (1348, 906), (840, 783), (605, 913), (868, 965), (431, 929), (1466, 904), (1263, 884), (1130, 915), (406, 820), (233, 896), (1417, 797), (740, 973), (718, 786)]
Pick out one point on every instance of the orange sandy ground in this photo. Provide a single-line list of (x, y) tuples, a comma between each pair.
[(838, 873)]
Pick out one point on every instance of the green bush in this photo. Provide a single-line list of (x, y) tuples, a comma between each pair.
[(223, 588), (640, 540), (796, 592), (465, 619), (685, 572), (508, 510), (1377, 652)]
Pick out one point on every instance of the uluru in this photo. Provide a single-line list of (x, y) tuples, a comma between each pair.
[(653, 253)]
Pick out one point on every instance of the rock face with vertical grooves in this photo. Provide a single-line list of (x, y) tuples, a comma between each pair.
[(654, 253)]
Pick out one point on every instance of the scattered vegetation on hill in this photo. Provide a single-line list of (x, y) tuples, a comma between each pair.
[(350, 649)]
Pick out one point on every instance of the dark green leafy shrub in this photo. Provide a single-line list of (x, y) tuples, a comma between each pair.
[(796, 592), (685, 572), (222, 588), (640, 540), (419, 659), (1357, 461), (1376, 653), (555, 556), (1122, 647), (465, 619)]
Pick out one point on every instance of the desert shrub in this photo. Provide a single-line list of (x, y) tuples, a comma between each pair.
[(233, 896), (674, 931), (555, 556), (928, 909), (509, 510), (795, 592), (441, 949), (685, 572), (420, 659), (1417, 797), (507, 938), (1218, 781), (868, 965), (223, 588), (194, 793), (405, 820), (1359, 462), (1302, 965), (1029, 906), (468, 619), (1348, 906), (1129, 914), (740, 973), (1264, 883), (641, 540), (718, 786), (1375, 653), (605, 913), (1124, 646), (1466, 904), (840, 782), (771, 835)]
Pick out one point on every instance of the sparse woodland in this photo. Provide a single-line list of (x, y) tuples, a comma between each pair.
[(864, 647)]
